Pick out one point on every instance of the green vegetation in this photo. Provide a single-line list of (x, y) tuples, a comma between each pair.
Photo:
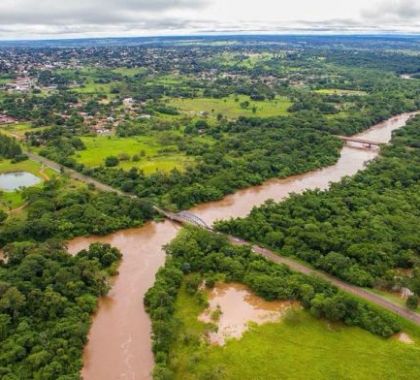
[(180, 121), (19, 130), (337, 91), (7, 166), (9, 148), (151, 154), (232, 106), (14, 199), (362, 229), (298, 347), (207, 254), (57, 210), (47, 298), (252, 151)]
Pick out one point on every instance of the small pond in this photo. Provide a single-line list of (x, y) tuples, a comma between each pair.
[(13, 181)]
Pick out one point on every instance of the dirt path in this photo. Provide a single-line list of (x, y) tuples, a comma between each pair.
[(352, 289), (17, 210), (43, 174)]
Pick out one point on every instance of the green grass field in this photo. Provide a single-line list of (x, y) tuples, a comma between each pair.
[(250, 61), (230, 108), (130, 71), (13, 199), (300, 347), (337, 91), (151, 159), (96, 88), (18, 130)]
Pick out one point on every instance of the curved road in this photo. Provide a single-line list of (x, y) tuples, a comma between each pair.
[(355, 290), (270, 255)]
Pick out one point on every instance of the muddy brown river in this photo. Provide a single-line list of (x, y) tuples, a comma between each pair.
[(119, 345)]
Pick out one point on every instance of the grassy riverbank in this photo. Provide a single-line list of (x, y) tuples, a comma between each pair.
[(299, 347)]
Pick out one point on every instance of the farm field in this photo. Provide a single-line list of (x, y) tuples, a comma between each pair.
[(298, 347), (149, 150), (230, 107)]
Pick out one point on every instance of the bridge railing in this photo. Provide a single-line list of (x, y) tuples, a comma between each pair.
[(183, 217)]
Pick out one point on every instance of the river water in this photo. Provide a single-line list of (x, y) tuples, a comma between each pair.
[(119, 345)]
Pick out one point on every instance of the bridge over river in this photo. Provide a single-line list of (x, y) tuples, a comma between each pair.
[(189, 218), (120, 332), (364, 142)]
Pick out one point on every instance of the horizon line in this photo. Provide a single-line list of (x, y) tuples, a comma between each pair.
[(305, 33)]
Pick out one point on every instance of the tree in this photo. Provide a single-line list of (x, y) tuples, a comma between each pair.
[(412, 302), (111, 161), (3, 216)]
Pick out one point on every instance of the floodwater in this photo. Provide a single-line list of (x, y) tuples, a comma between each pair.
[(119, 345), (237, 306), (16, 180)]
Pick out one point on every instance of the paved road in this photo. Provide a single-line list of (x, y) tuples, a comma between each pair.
[(355, 290), (292, 264), (74, 174)]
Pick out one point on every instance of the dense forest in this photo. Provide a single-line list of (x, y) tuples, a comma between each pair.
[(58, 211), (362, 229), (46, 301), (211, 257)]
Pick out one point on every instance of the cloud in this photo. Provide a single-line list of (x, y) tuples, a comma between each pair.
[(54, 12), (97, 18), (20, 18), (393, 11)]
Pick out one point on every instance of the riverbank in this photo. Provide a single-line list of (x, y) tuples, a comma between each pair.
[(120, 334)]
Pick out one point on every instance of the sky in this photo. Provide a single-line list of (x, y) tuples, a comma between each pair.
[(32, 19)]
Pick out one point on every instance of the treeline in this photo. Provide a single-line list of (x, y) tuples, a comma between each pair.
[(211, 256), (47, 298), (58, 211), (386, 61), (247, 153), (362, 230)]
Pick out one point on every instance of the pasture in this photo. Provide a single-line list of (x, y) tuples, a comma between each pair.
[(152, 155), (297, 347), (232, 107)]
